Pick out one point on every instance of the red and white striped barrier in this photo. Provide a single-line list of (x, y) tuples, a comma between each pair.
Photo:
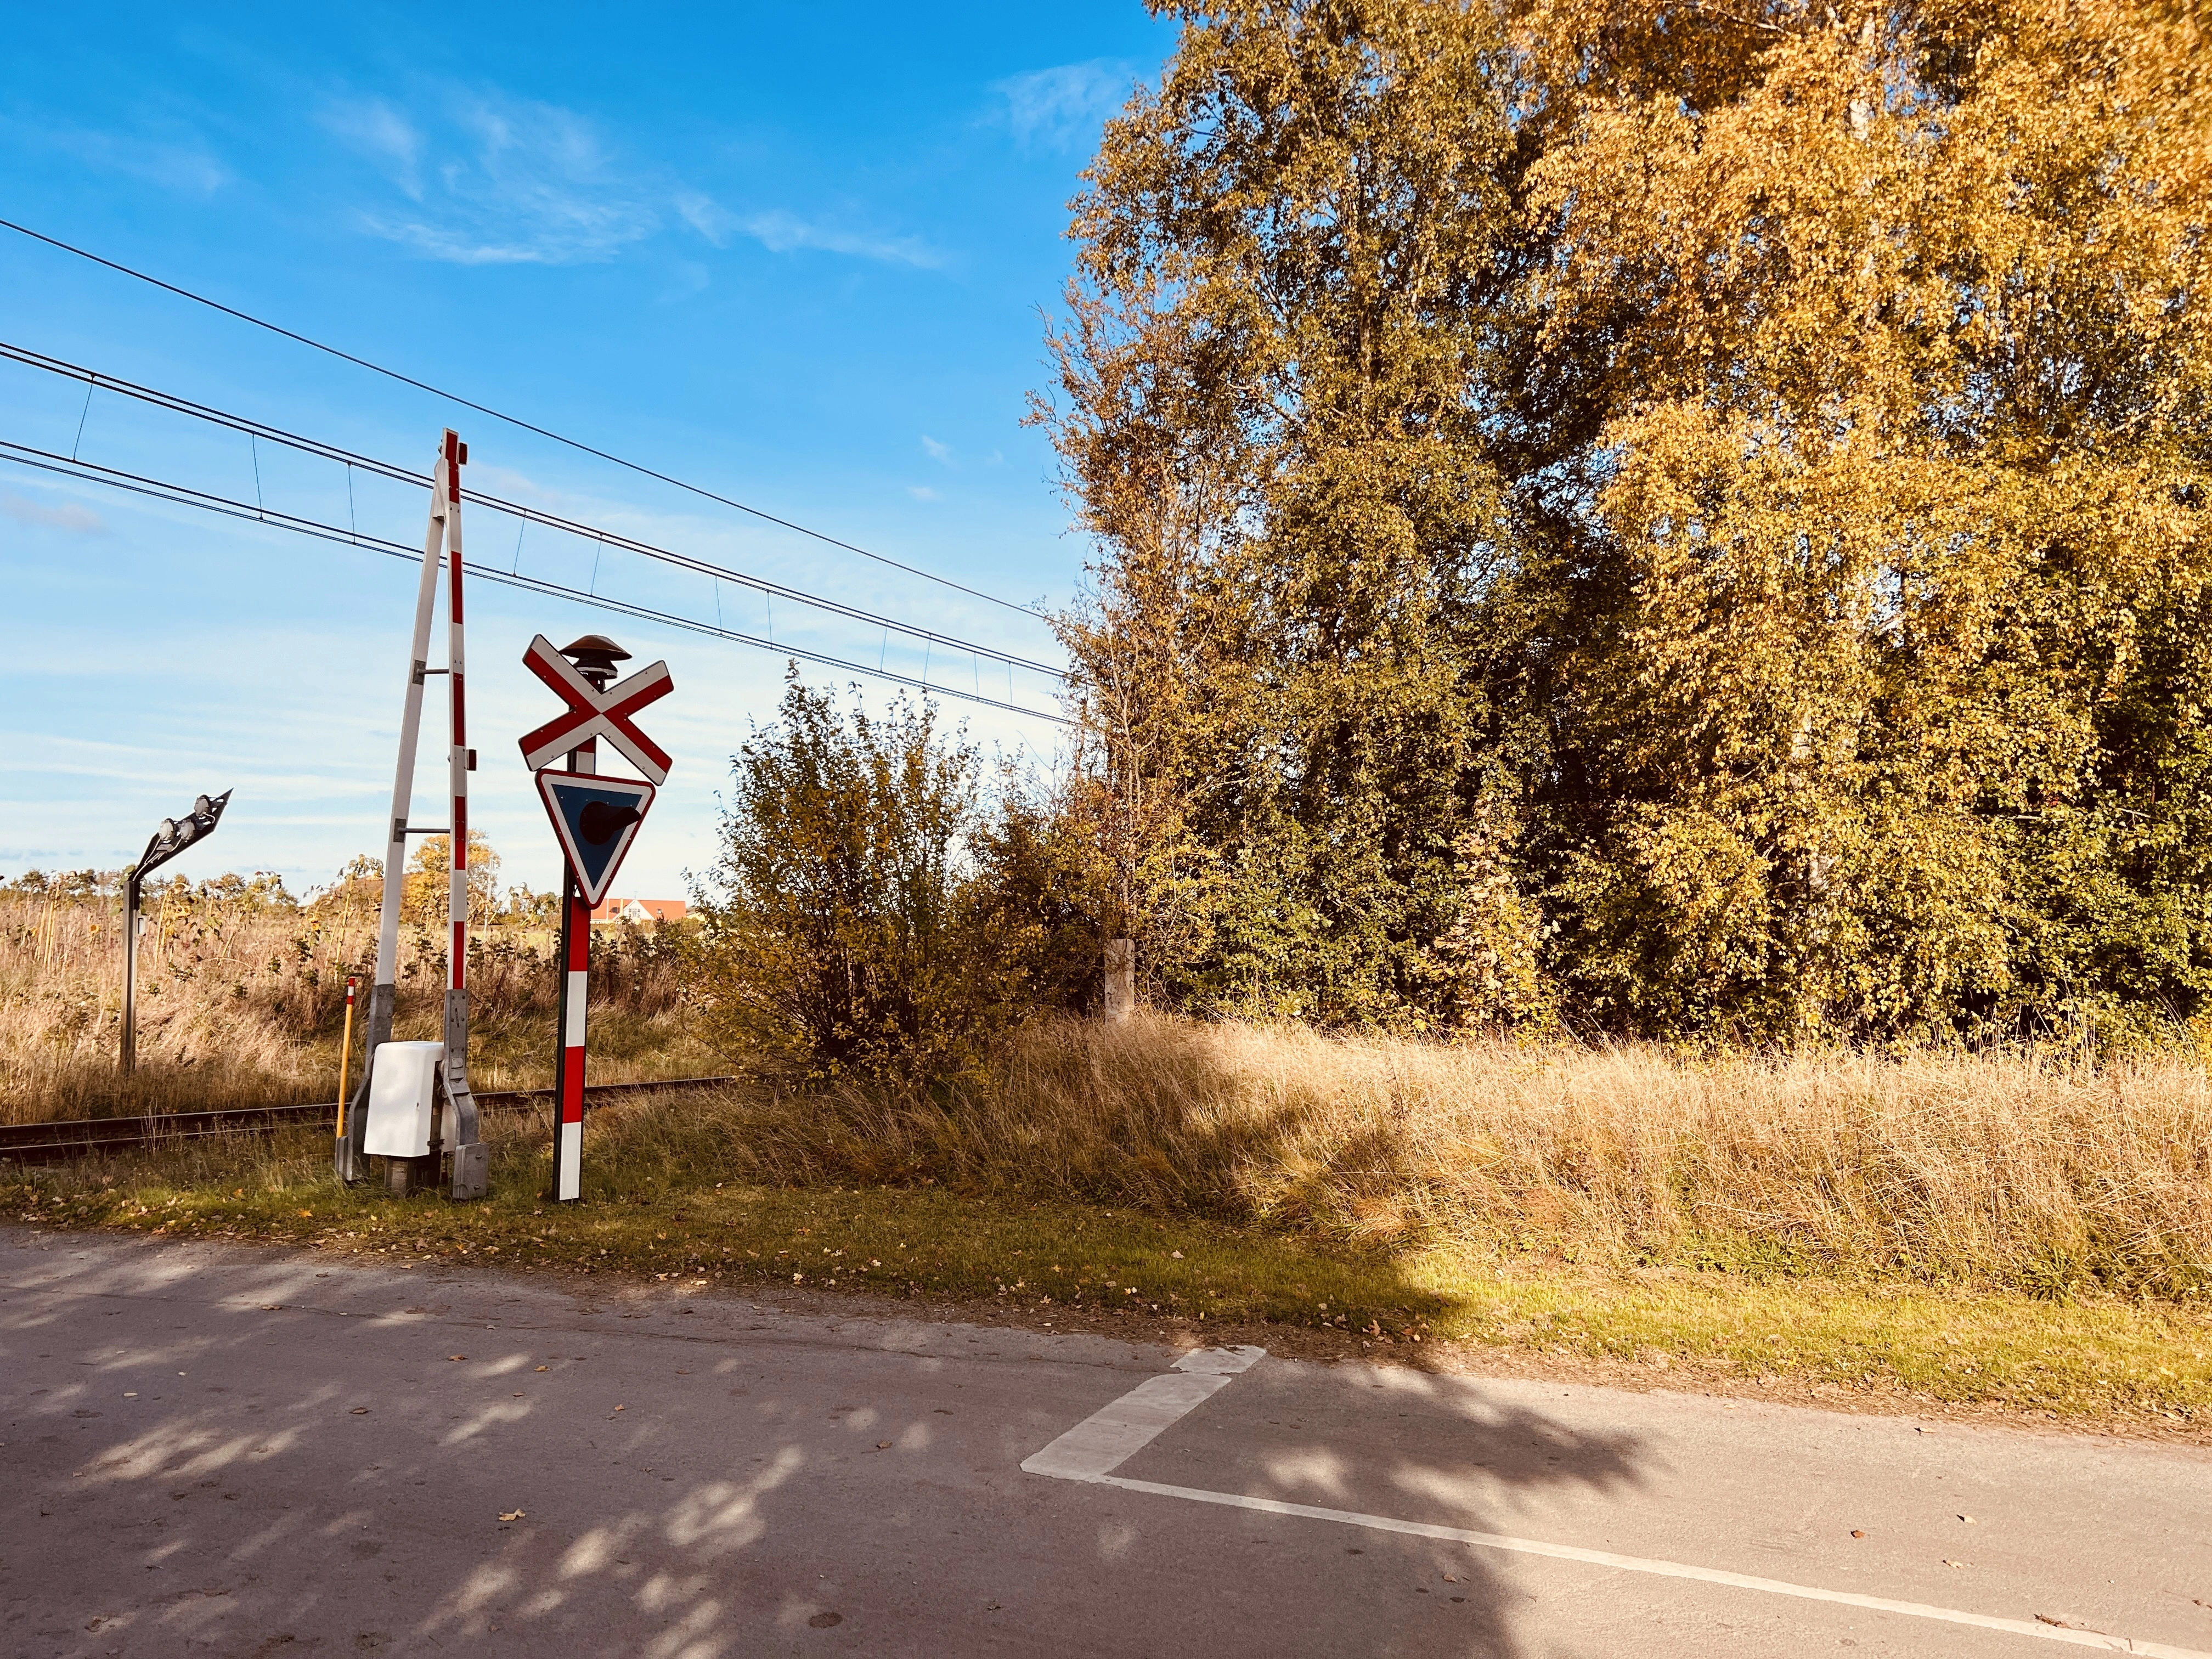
[(441, 548)]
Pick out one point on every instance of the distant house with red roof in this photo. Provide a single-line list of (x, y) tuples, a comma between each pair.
[(638, 911)]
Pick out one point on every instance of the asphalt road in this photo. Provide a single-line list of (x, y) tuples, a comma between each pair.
[(207, 1450)]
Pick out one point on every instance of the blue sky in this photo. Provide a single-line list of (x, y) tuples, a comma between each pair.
[(796, 255)]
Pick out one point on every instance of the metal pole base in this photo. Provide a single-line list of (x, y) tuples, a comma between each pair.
[(347, 1158), (404, 1175), (472, 1171), (471, 1158), (350, 1157)]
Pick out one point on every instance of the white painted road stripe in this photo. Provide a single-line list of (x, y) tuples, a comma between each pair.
[(1109, 1437), (2084, 1638), (1115, 1433)]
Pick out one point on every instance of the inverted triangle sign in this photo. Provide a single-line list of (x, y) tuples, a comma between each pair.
[(596, 819)]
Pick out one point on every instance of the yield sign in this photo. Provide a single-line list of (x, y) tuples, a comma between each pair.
[(595, 713), (596, 819)]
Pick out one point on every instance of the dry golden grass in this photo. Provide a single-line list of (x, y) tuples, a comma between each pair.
[(2041, 1172), (666, 1198), (2023, 1231), (243, 1004), (208, 1032), (2033, 1172)]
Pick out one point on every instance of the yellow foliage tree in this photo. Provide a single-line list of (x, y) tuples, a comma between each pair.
[(1745, 466), (426, 897)]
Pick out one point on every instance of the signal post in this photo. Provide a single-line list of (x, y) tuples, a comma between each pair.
[(595, 817)]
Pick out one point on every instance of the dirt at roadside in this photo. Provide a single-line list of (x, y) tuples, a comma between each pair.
[(1657, 1374), (1672, 1375)]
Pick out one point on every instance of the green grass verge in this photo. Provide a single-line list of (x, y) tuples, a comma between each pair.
[(2082, 1360)]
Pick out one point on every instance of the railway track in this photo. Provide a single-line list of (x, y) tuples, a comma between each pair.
[(50, 1143)]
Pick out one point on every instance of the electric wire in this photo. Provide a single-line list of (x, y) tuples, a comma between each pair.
[(511, 420), (91, 472), (315, 446)]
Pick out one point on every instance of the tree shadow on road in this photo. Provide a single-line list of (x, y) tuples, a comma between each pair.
[(395, 1482)]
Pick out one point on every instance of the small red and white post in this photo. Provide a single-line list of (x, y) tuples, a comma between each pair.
[(595, 817), (345, 1055)]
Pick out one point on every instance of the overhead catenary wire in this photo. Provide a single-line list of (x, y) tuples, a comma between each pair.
[(91, 472), (511, 420), (180, 406), (75, 442)]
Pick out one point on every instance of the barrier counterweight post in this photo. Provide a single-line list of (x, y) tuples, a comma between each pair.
[(171, 839)]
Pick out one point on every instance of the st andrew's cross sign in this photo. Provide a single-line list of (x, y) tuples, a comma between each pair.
[(595, 712), (596, 819)]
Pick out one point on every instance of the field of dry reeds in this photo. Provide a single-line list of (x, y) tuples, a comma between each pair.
[(241, 1003), (2037, 1172), (2029, 1230), (2047, 1171)]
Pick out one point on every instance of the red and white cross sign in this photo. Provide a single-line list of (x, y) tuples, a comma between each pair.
[(595, 713)]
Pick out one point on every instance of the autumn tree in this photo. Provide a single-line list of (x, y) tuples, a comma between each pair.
[(1291, 257), (1877, 665), (426, 886), (1691, 515)]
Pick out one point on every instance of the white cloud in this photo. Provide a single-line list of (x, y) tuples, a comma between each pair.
[(921, 492), (936, 451), (709, 217), (779, 232), (1059, 108), (495, 180), (491, 179), (183, 165), (377, 130), (68, 516)]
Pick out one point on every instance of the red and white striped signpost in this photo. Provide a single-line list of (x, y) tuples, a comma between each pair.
[(595, 817)]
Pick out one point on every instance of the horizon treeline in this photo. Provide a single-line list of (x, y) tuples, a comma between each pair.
[(358, 884), (1680, 520)]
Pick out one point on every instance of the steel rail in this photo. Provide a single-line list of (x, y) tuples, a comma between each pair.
[(65, 1137)]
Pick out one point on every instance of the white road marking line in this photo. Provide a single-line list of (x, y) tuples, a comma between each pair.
[(1112, 1434), (1115, 1433), (2084, 1638)]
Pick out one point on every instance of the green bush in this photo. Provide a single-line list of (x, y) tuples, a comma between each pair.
[(868, 914)]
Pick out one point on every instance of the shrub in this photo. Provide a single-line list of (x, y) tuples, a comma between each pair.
[(849, 927)]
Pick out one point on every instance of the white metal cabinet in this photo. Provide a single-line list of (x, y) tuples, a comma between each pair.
[(402, 1090)]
